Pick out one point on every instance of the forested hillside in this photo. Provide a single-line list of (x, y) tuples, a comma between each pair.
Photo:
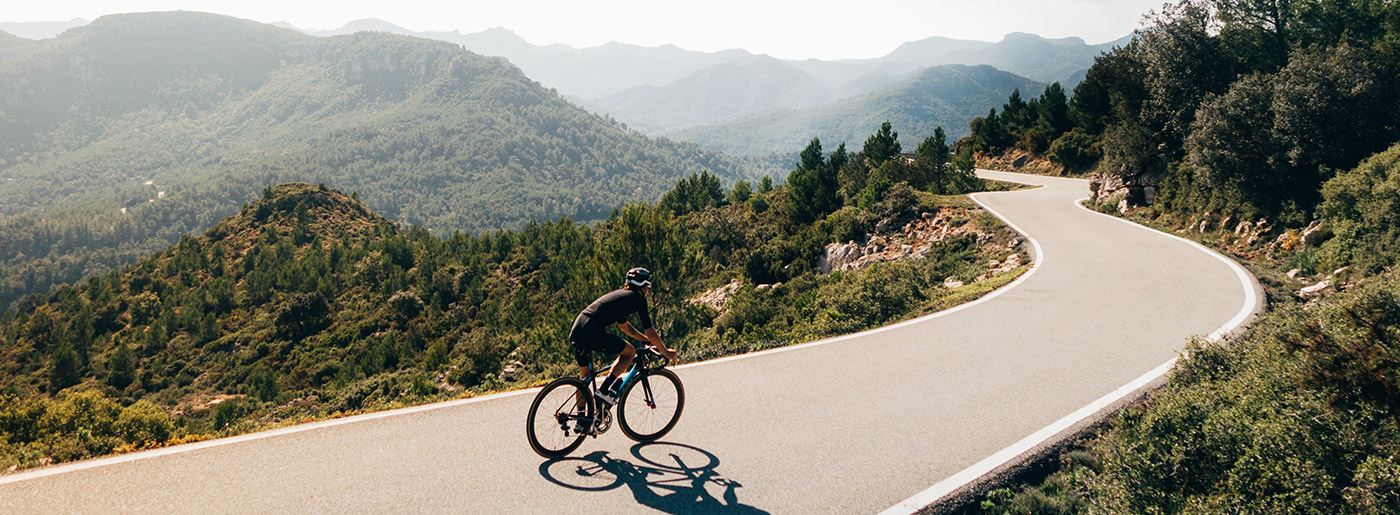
[(121, 136), (306, 304), (1269, 129), (943, 96)]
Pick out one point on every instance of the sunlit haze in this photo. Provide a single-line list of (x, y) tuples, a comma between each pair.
[(822, 29)]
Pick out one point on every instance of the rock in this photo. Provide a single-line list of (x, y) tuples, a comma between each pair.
[(1315, 289), (508, 373), (1020, 161), (882, 226), (1242, 227), (1315, 234), (904, 249), (927, 215), (762, 287), (1293, 274), (951, 283), (718, 297), (1204, 225), (838, 255), (1124, 205)]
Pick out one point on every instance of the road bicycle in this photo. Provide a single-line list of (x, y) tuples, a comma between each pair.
[(650, 404)]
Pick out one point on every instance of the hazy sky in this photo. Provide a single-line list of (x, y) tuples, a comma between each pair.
[(824, 29)]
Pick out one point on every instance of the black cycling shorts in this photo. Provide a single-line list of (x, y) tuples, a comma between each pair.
[(587, 337), (585, 344)]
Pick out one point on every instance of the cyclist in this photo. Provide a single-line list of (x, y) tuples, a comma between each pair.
[(588, 333)]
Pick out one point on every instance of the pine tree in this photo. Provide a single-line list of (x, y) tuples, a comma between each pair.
[(933, 158), (122, 367), (881, 146), (64, 369)]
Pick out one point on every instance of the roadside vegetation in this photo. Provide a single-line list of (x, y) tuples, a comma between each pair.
[(306, 304), (1268, 130)]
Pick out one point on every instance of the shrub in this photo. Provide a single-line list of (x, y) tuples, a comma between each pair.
[(144, 422), (302, 315), (1075, 150), (1363, 207)]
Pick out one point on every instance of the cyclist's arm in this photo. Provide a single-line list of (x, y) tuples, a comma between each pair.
[(631, 331), (655, 340)]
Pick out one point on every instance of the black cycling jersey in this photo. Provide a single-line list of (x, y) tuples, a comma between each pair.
[(615, 307), (589, 331)]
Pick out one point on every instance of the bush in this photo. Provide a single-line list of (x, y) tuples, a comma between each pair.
[(302, 315), (1075, 150), (1298, 416), (144, 422), (1363, 208)]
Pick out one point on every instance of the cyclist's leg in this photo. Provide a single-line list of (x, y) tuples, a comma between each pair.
[(584, 357), (625, 352)]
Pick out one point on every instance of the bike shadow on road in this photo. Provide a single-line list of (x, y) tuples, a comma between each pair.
[(668, 477)]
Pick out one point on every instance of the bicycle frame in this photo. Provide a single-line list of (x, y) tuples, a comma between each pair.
[(639, 363)]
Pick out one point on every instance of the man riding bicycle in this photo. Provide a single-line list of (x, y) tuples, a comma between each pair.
[(589, 332)]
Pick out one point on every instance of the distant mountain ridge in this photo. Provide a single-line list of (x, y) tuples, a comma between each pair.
[(40, 29), (947, 96), (663, 90), (653, 88)]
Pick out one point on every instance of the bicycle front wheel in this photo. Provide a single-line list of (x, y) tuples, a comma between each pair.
[(651, 406), (555, 415)]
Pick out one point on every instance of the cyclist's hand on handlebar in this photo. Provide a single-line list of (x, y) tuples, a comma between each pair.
[(671, 356)]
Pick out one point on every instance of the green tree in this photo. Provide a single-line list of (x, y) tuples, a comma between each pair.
[(1054, 111), (812, 187), (933, 157), (121, 369), (65, 369), (989, 134), (1016, 113), (262, 384), (740, 192), (881, 146)]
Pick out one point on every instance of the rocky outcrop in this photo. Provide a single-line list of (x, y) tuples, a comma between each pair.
[(1125, 190), (913, 241), (718, 297)]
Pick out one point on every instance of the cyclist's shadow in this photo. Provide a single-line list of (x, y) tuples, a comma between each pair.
[(671, 478)]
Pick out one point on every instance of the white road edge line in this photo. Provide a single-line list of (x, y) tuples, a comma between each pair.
[(300, 428), (947, 486)]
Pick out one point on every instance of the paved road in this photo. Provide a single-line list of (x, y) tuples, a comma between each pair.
[(854, 425)]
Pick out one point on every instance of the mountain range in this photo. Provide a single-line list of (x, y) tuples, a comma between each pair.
[(945, 96), (654, 89), (122, 135), (681, 93)]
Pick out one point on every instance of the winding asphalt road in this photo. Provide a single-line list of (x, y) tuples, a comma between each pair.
[(857, 424)]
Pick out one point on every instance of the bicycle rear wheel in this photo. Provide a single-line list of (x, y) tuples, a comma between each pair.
[(553, 415), (651, 406)]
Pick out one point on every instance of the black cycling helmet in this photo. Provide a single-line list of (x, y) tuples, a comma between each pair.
[(639, 277)]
